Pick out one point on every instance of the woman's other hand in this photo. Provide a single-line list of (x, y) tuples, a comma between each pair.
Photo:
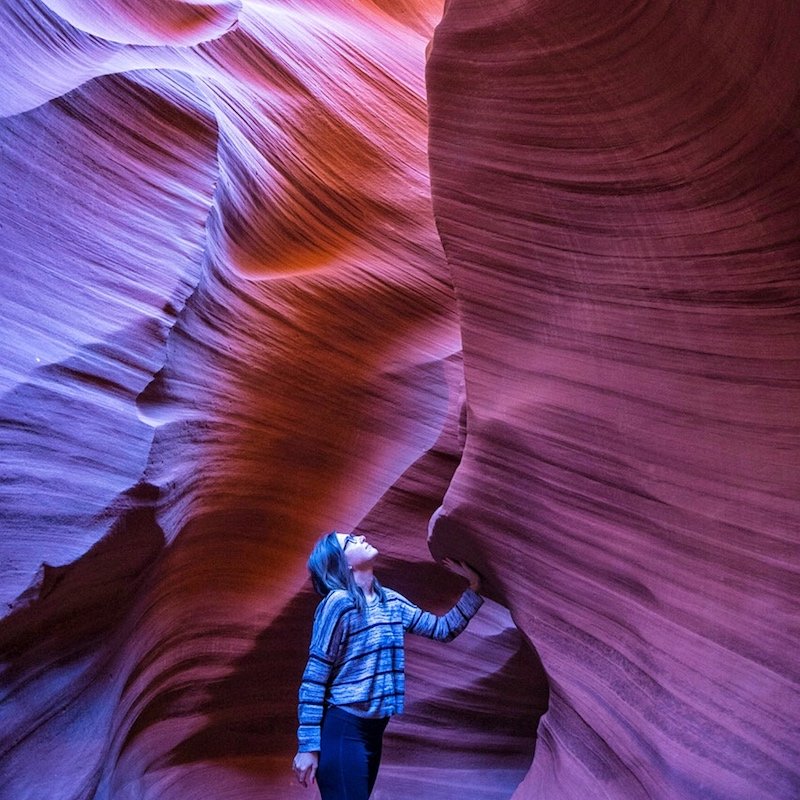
[(465, 571), (305, 767)]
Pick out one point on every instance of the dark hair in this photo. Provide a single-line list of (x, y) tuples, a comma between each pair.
[(329, 571)]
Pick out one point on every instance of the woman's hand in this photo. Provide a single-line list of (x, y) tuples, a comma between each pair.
[(305, 767), (465, 571)]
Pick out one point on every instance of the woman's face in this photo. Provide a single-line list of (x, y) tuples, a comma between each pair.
[(357, 550)]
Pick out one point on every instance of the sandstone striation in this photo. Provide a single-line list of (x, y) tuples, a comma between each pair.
[(617, 194), (261, 280)]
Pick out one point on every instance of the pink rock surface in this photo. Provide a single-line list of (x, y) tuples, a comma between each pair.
[(617, 194), (229, 325)]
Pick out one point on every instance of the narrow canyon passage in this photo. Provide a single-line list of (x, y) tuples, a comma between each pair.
[(514, 283)]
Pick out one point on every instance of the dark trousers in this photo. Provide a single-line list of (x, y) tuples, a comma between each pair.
[(349, 756)]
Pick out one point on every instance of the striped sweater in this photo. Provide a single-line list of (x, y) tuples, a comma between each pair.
[(356, 659)]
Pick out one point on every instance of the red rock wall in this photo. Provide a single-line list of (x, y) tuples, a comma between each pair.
[(616, 188), (229, 324)]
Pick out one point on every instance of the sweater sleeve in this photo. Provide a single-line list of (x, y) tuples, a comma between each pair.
[(446, 627), (327, 641)]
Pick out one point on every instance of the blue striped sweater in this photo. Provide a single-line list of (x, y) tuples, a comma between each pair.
[(356, 659)]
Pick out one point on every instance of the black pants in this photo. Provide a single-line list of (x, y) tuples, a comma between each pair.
[(350, 754)]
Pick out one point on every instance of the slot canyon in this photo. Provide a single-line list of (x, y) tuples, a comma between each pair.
[(515, 283)]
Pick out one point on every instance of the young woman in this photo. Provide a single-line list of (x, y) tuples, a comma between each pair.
[(354, 679)]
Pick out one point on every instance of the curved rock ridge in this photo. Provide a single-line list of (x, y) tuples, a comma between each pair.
[(174, 22), (345, 171), (616, 188), (229, 327), (42, 57), (100, 253)]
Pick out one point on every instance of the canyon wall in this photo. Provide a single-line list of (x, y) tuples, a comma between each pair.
[(522, 291), (617, 193)]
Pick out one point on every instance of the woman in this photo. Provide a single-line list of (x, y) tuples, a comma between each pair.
[(354, 678)]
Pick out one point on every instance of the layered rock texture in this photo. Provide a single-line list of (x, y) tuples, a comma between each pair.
[(522, 291)]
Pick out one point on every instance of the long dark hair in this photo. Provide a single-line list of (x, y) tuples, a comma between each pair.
[(329, 571)]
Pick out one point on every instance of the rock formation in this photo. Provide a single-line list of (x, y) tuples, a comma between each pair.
[(617, 195), (265, 274)]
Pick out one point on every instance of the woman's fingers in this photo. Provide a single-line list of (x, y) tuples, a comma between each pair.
[(464, 570), (303, 775), (454, 566), (305, 768)]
